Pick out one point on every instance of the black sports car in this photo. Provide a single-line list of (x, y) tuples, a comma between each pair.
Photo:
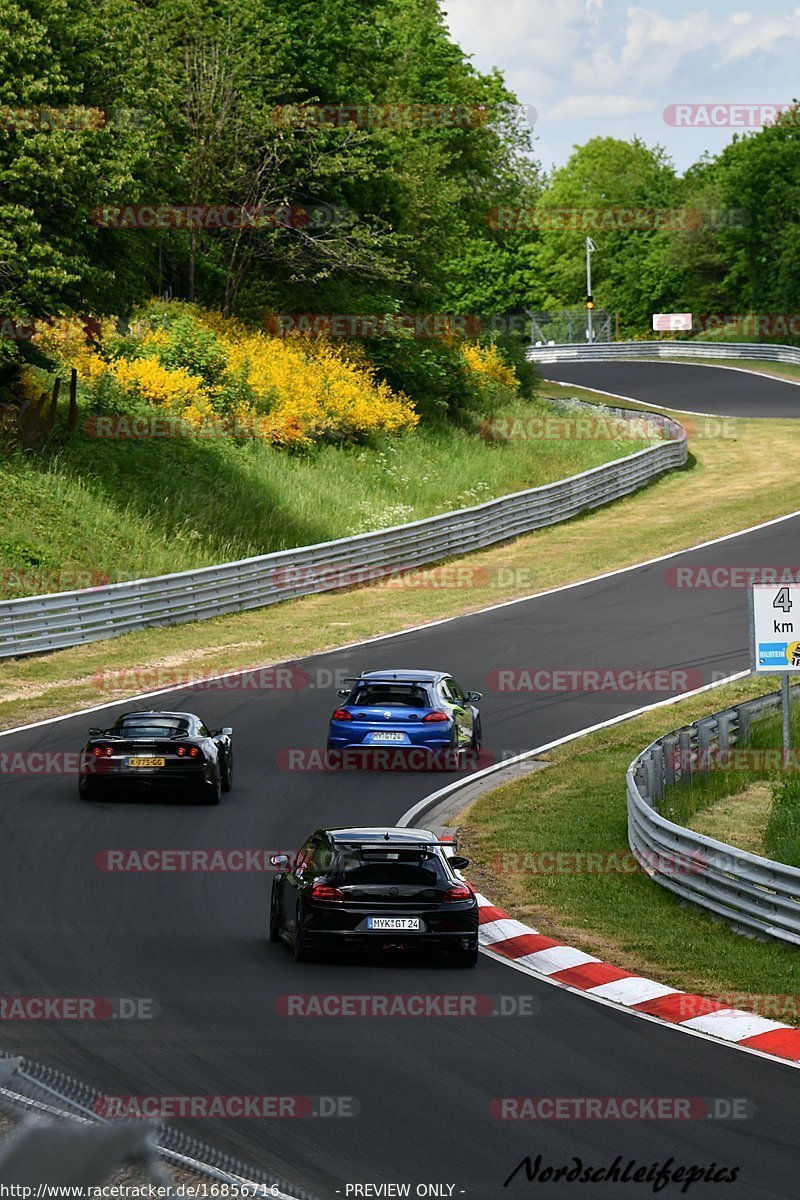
[(374, 889), (164, 751)]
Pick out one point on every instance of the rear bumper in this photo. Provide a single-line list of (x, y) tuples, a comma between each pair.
[(340, 924), (438, 736), (166, 780), (401, 758), (349, 940)]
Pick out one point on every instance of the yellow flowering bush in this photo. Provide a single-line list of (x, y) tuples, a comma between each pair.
[(486, 360), (66, 340), (172, 389), (203, 367), (29, 386)]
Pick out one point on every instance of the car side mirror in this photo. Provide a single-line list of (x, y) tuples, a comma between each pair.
[(458, 863), (94, 732), (280, 861), (227, 731), (343, 691), (474, 697)]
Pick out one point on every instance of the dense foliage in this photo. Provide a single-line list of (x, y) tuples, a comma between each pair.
[(105, 105)]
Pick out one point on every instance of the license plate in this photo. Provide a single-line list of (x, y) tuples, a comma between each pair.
[(393, 923), (388, 737), (146, 762)]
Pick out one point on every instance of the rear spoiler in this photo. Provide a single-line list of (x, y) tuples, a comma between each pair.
[(450, 844), (389, 679)]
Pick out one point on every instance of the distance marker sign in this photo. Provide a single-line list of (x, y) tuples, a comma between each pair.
[(775, 628)]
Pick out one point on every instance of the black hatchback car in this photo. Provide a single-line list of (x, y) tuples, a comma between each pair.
[(373, 890), (163, 752)]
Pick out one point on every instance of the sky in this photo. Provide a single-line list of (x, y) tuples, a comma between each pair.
[(609, 68)]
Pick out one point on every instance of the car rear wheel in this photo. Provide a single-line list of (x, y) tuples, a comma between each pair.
[(226, 771), (274, 923), (475, 744), (299, 946), (453, 756), (213, 794), (463, 958), (84, 791)]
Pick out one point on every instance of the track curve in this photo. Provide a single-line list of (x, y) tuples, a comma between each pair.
[(687, 387), (196, 944)]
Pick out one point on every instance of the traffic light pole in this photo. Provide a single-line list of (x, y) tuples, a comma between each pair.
[(590, 246)]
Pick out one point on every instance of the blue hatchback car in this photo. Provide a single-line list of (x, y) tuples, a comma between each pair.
[(407, 709)]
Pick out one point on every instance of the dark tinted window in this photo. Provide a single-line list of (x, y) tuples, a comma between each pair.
[(135, 726), (355, 866), (321, 856), (389, 695)]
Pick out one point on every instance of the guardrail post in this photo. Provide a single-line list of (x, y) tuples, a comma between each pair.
[(744, 722), (657, 757), (669, 744), (724, 732), (685, 742), (703, 746), (650, 778)]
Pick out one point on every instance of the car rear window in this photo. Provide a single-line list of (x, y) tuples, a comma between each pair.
[(383, 695), (143, 727), (354, 866)]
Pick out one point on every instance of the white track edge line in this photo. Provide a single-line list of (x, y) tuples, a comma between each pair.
[(428, 801)]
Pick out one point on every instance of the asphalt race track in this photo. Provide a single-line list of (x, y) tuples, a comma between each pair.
[(196, 942), (687, 386)]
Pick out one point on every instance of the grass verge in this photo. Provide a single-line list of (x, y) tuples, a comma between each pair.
[(578, 805), (84, 510)]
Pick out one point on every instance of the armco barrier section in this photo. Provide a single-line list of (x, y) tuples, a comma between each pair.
[(619, 351), (754, 894), (35, 624)]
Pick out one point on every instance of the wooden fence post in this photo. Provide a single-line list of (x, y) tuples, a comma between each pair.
[(51, 416), (72, 419)]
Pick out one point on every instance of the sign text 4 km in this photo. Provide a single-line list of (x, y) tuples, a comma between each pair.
[(775, 629)]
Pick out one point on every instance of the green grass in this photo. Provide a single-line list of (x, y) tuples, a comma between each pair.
[(681, 804), (83, 510), (578, 804), (782, 835)]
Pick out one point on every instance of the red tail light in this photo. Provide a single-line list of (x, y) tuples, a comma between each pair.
[(438, 715), (341, 714), (459, 892), (102, 751), (192, 751), (321, 891)]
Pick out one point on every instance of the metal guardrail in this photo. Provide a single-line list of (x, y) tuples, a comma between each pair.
[(71, 1144), (617, 351), (34, 624), (755, 895)]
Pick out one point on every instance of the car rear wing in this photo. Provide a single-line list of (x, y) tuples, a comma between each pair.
[(389, 679), (390, 846)]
